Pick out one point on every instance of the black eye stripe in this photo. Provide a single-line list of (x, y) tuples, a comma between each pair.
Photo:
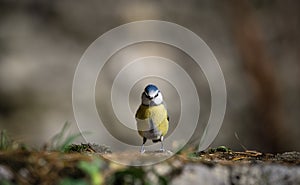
[(147, 95)]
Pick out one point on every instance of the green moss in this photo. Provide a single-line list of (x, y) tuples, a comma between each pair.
[(81, 148), (219, 149)]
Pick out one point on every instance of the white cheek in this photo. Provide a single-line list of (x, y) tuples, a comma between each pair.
[(157, 101)]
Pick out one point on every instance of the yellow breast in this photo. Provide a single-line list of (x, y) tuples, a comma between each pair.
[(157, 114)]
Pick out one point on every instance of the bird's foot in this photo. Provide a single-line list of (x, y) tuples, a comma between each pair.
[(142, 150), (162, 150)]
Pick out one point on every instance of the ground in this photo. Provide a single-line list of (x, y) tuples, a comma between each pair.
[(90, 164)]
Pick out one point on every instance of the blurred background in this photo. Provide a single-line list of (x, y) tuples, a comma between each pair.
[(257, 44)]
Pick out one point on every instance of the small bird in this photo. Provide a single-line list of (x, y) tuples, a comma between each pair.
[(152, 117)]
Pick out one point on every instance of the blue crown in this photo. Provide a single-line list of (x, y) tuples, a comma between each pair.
[(150, 88)]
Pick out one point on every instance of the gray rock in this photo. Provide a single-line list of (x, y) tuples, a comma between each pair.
[(202, 174), (5, 173), (239, 174)]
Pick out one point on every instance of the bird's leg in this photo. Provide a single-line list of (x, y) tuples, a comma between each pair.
[(162, 145), (142, 147)]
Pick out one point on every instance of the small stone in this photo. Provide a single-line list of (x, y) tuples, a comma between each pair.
[(5, 173)]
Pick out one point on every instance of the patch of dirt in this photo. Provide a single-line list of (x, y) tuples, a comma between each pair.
[(231, 157), (42, 167)]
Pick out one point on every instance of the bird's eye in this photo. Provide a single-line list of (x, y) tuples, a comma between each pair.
[(156, 95)]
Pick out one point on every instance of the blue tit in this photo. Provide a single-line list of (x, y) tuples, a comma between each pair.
[(152, 117)]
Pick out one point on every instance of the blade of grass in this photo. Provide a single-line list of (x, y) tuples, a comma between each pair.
[(62, 139), (59, 136), (4, 140)]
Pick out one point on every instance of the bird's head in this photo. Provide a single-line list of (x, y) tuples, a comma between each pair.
[(152, 96)]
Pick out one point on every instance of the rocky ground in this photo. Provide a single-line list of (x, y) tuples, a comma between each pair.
[(92, 165)]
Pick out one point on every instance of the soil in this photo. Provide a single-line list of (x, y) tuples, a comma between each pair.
[(46, 167)]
